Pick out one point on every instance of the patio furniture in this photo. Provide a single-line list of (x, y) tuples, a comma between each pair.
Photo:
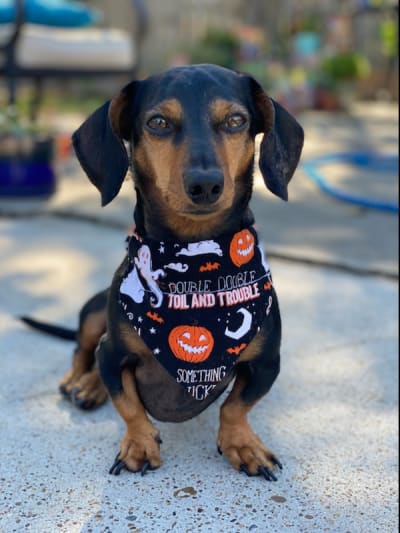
[(40, 52)]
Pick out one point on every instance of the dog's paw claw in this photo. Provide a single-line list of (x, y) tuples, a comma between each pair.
[(243, 468), (63, 391), (266, 473), (117, 466), (146, 466), (263, 471), (276, 462)]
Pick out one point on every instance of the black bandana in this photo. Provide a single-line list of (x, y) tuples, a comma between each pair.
[(197, 305)]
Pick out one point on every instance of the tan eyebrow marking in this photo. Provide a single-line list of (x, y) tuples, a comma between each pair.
[(220, 108), (171, 108)]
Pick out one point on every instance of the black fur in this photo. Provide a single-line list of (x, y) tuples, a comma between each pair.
[(100, 148)]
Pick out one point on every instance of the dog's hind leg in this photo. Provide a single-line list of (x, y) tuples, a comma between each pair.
[(82, 384)]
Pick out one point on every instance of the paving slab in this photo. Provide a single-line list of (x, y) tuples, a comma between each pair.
[(331, 416)]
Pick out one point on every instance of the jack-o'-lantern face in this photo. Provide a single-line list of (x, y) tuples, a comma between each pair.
[(192, 344), (241, 248)]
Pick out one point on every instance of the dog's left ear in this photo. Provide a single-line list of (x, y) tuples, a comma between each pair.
[(99, 146), (282, 142)]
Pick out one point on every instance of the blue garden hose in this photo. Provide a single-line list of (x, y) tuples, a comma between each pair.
[(380, 163)]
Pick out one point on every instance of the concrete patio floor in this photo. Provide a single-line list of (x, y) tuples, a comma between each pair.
[(331, 417)]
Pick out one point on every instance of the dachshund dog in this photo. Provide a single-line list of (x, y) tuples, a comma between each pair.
[(192, 306)]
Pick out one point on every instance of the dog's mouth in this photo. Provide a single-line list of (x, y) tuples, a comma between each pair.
[(203, 211), (194, 210)]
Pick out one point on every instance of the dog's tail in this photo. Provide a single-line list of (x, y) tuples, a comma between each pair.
[(51, 329)]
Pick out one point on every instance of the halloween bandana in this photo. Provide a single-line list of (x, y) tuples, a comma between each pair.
[(197, 305)]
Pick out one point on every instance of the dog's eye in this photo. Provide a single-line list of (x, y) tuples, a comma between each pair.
[(159, 124), (235, 122)]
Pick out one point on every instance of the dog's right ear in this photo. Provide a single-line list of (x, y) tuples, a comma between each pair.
[(98, 143), (282, 141)]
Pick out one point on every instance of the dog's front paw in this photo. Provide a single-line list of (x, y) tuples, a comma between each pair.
[(246, 452), (85, 390), (139, 452)]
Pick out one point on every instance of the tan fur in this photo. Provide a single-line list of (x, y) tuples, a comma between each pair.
[(92, 330), (235, 150), (164, 163), (236, 439), (132, 341), (117, 106), (81, 377), (253, 349), (91, 389), (194, 227), (140, 441), (170, 109)]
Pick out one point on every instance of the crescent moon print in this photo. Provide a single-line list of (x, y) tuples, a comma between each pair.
[(269, 306), (244, 328), (264, 261)]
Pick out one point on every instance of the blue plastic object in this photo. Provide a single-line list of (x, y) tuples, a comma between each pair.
[(20, 178), (59, 13), (374, 162)]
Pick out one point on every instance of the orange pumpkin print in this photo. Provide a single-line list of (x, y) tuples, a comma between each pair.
[(192, 344), (241, 249)]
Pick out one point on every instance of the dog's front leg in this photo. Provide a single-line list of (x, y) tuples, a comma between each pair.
[(140, 447), (243, 448)]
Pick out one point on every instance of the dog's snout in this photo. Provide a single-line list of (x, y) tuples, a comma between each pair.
[(204, 186)]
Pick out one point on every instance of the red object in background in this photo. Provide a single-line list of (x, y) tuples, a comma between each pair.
[(63, 146)]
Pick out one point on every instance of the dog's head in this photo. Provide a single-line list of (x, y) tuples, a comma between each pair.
[(192, 131)]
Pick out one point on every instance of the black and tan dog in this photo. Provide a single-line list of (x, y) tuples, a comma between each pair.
[(190, 132)]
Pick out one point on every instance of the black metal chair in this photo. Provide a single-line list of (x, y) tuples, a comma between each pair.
[(13, 71)]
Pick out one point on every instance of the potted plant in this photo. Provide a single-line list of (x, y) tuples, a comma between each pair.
[(216, 46), (337, 77), (26, 158)]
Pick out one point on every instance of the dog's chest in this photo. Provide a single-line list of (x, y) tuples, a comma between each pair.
[(197, 305)]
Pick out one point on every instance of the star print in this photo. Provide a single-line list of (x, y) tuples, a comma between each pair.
[(152, 331), (140, 319), (162, 248), (156, 351)]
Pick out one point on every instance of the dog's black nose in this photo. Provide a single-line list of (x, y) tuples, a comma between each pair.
[(204, 186)]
